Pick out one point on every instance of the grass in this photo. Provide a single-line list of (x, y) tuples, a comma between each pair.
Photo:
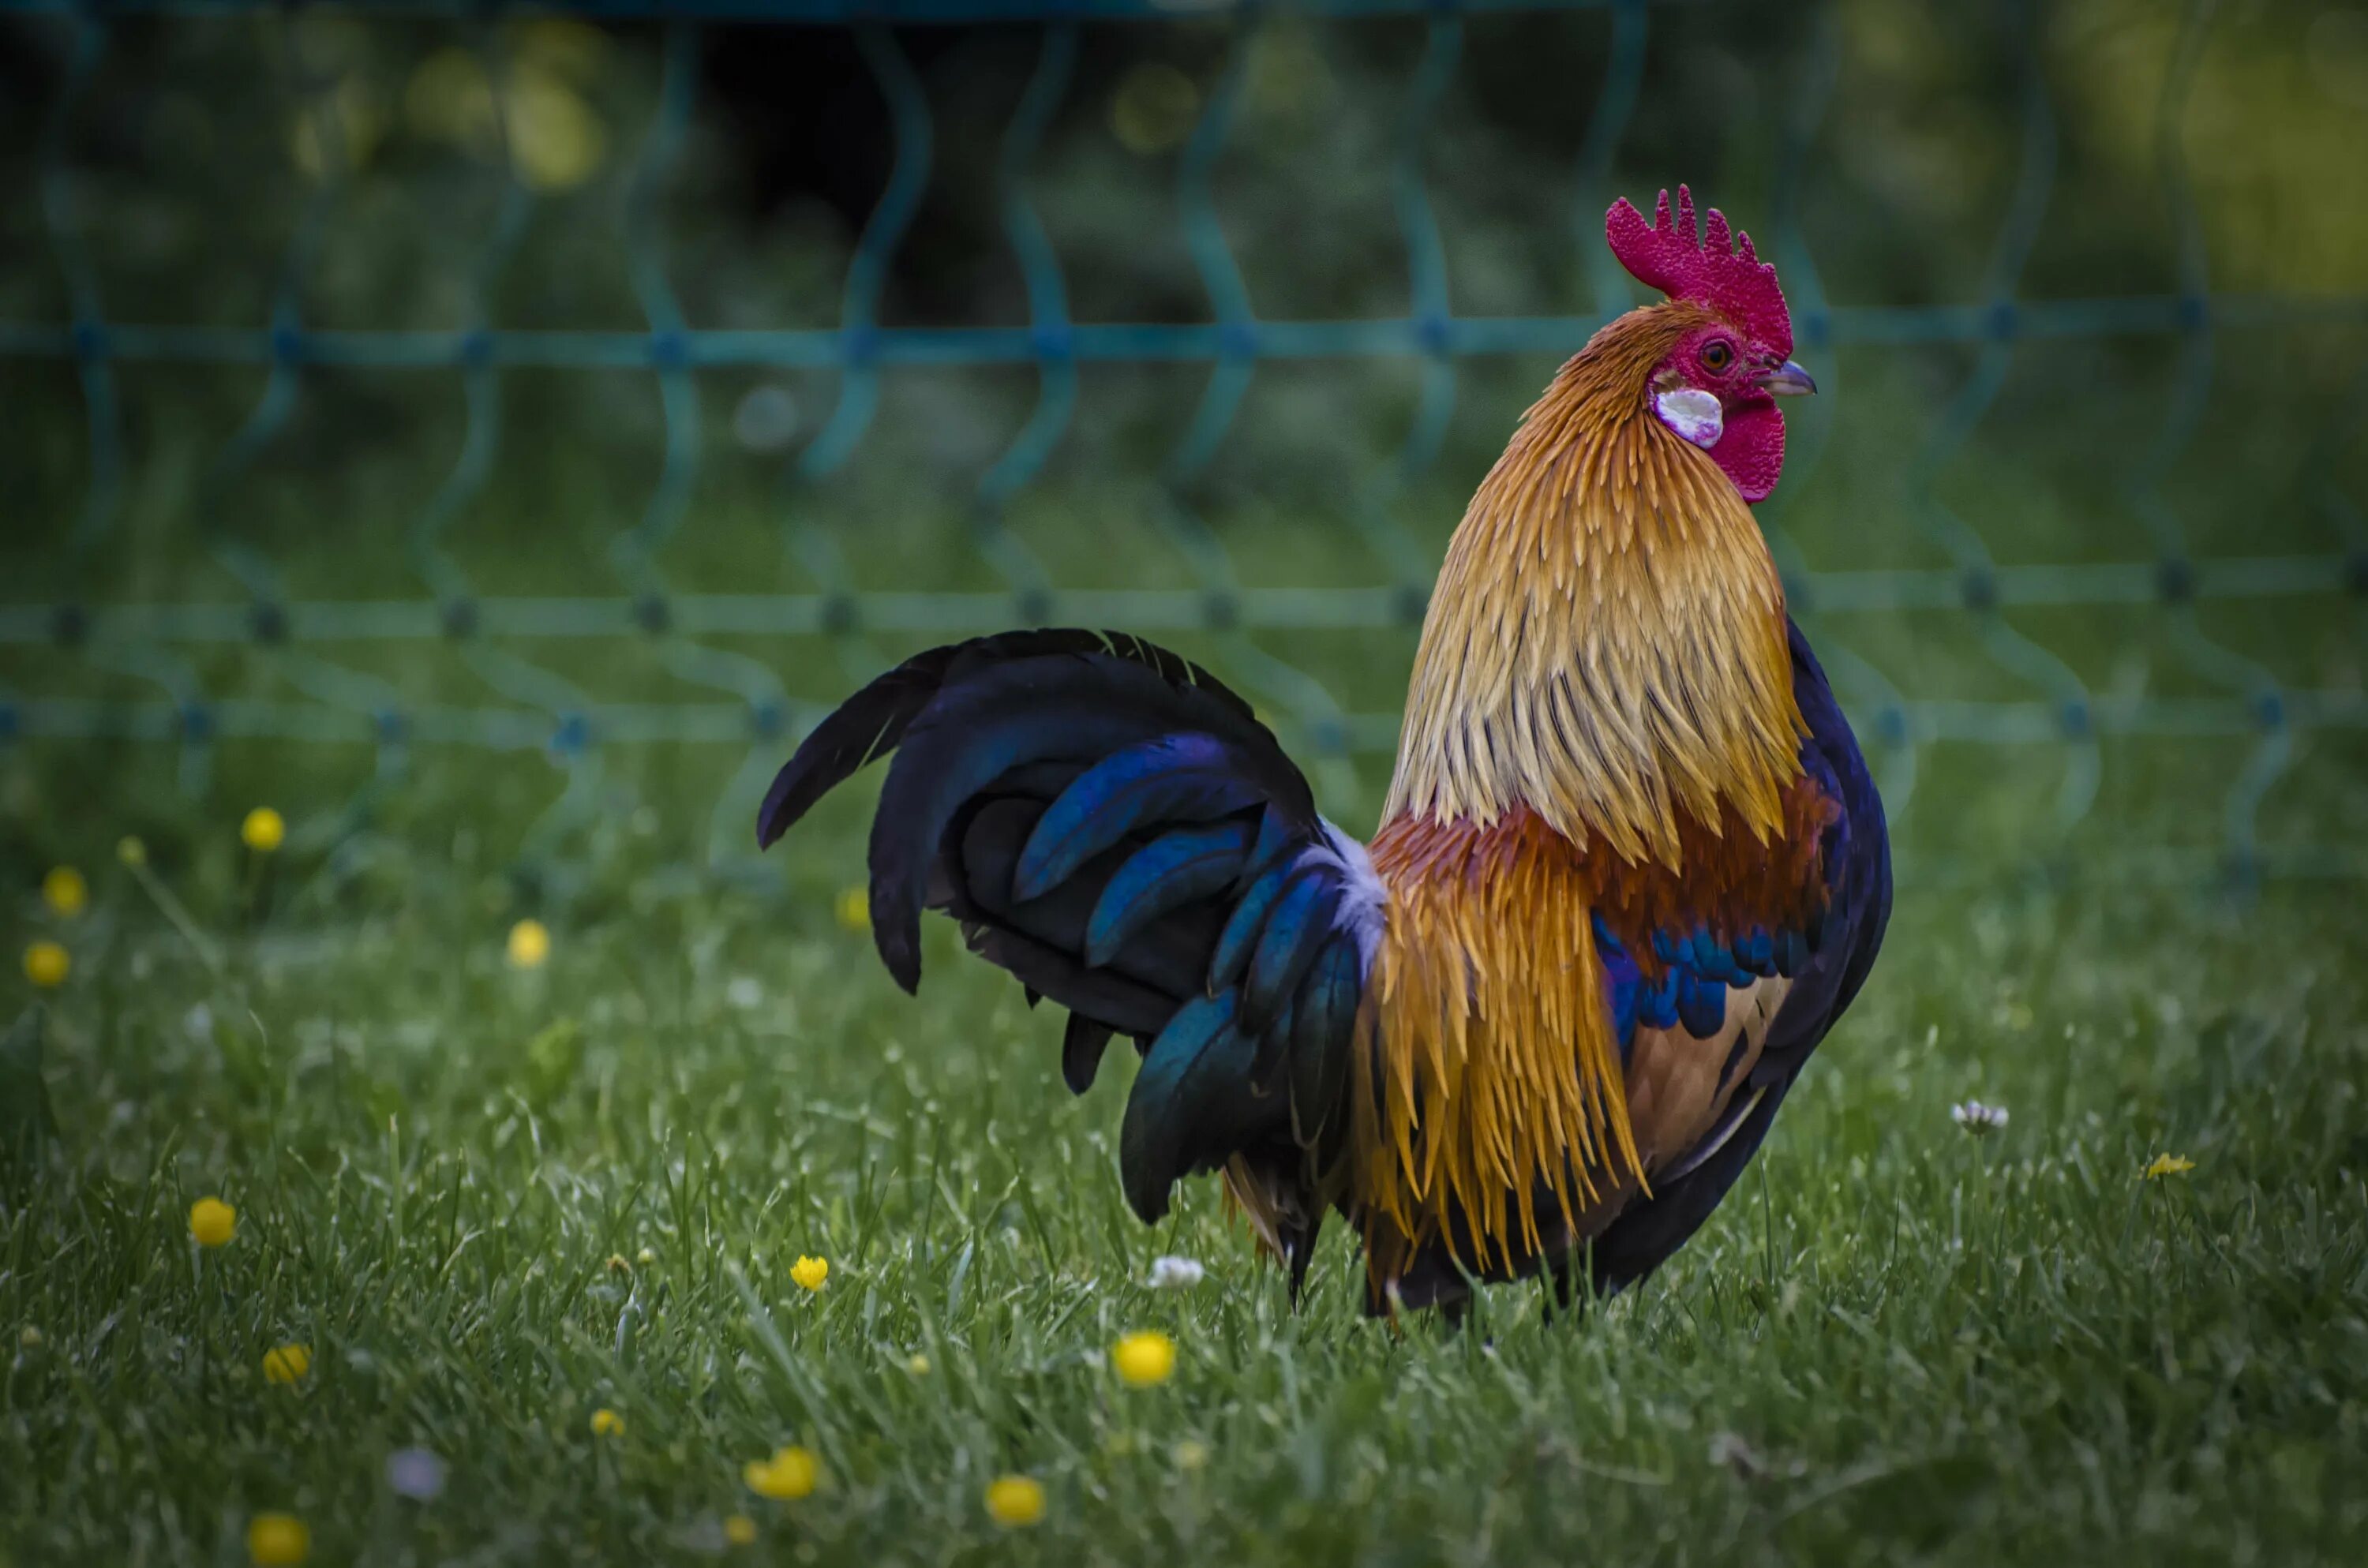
[(492, 1201)]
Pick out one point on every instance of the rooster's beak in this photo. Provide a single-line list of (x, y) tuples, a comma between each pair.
[(1787, 379)]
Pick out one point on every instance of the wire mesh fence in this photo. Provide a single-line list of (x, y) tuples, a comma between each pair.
[(727, 646)]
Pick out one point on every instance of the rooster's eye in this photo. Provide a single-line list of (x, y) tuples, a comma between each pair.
[(1718, 357)]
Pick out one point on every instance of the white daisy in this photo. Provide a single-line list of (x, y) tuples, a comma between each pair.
[(1978, 1118), (1175, 1274)]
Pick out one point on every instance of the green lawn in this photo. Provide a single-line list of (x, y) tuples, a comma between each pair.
[(493, 1201)]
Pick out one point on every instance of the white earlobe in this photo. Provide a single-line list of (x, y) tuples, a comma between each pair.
[(1691, 413)]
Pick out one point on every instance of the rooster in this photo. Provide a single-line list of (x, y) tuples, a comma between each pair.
[(1630, 869)]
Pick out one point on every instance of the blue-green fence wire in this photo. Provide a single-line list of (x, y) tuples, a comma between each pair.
[(514, 643)]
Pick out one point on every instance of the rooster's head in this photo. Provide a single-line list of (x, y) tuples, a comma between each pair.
[(1718, 386)]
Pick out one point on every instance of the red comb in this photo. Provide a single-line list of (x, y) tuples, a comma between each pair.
[(1730, 280)]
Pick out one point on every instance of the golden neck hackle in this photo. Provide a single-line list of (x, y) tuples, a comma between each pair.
[(1606, 646)]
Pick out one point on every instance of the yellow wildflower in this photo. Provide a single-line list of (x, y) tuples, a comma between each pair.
[(288, 1364), (264, 830), (1015, 1502), (64, 892), (277, 1540), (529, 943), (740, 1530), (918, 1364), (855, 909), (810, 1272), (1190, 1455), (2169, 1164), (1145, 1359), (131, 851), (606, 1423), (792, 1472), (47, 964), (645, 1256), (212, 1221)]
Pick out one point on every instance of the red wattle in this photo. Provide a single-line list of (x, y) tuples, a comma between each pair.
[(1751, 448)]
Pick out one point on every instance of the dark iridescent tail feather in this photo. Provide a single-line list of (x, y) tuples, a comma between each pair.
[(1116, 829)]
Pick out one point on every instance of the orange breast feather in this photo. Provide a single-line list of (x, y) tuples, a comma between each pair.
[(1491, 1102)]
